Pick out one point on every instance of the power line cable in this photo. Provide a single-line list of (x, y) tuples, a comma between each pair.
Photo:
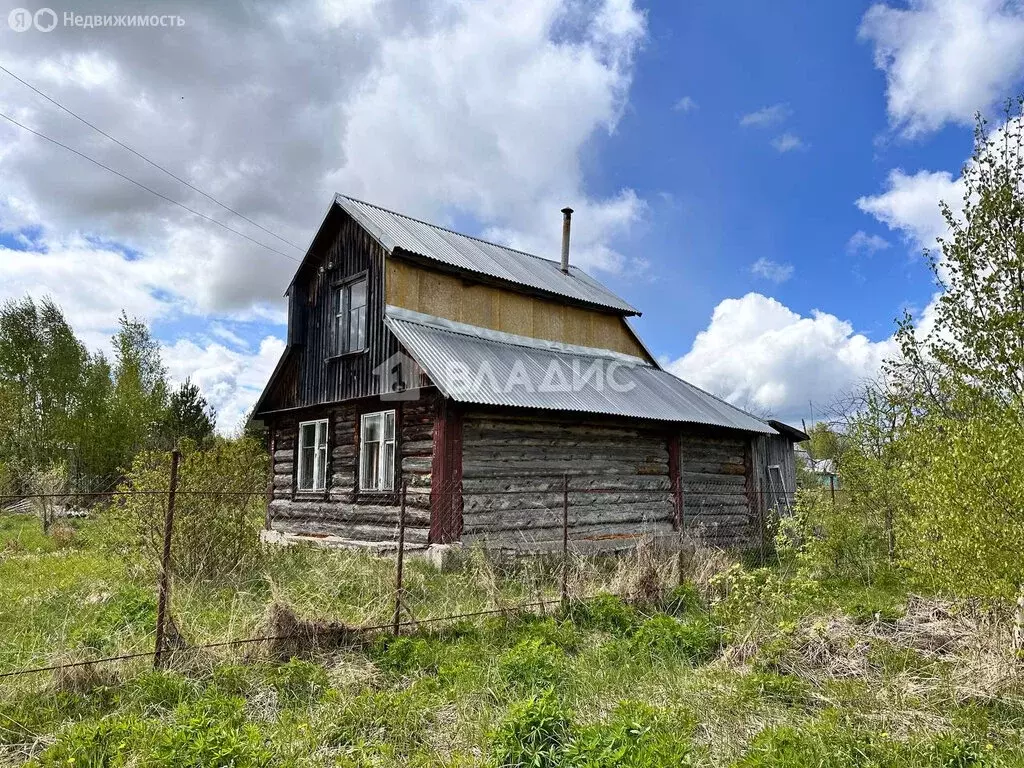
[(146, 159), (140, 185)]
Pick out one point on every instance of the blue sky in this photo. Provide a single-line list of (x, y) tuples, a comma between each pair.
[(733, 197), (759, 178)]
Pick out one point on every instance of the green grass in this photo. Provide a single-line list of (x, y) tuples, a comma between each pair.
[(609, 684)]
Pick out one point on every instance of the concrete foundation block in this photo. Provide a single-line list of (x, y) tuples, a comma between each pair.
[(446, 557)]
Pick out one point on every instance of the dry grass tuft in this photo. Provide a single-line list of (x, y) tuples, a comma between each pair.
[(937, 644), (83, 678), (702, 562), (289, 635), (62, 534)]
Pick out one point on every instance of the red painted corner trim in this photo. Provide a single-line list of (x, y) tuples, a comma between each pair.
[(446, 475)]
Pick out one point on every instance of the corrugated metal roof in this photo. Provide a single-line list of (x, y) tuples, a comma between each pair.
[(478, 365), (395, 230)]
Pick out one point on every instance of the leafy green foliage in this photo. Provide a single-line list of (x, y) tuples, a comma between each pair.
[(636, 736), (534, 733), (540, 731), (62, 405), (217, 516), (531, 665), (825, 442), (298, 682), (684, 600), (831, 744), (935, 443), (694, 640), (607, 613), (211, 730)]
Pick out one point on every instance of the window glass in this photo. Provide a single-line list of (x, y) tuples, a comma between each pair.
[(350, 317), (312, 450), (377, 452)]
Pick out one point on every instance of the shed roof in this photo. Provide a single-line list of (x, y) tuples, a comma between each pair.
[(477, 365), (429, 241)]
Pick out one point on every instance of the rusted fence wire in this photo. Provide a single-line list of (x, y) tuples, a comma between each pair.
[(563, 519)]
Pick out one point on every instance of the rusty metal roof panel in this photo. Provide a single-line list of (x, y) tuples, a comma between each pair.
[(396, 231), (478, 365)]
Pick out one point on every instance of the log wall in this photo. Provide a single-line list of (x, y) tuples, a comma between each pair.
[(342, 510), (513, 469), (719, 503)]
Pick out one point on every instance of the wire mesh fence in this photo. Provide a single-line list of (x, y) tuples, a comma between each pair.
[(202, 558)]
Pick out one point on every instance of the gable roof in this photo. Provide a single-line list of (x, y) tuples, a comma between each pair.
[(797, 435), (395, 231), (477, 365)]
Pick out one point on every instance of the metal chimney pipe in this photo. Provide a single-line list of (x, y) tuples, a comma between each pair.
[(566, 226)]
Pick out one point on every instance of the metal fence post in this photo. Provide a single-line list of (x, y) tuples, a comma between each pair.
[(565, 542), (832, 485), (164, 584), (401, 559)]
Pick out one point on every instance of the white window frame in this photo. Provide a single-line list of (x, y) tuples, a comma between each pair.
[(384, 479), (320, 456)]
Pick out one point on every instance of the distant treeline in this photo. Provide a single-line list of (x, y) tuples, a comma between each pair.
[(83, 414)]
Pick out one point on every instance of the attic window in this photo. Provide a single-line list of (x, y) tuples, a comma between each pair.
[(350, 317)]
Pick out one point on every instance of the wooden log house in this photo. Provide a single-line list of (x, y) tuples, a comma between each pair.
[(495, 386)]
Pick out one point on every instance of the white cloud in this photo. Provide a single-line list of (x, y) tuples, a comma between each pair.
[(685, 104), (863, 244), (766, 116), (452, 108), (757, 353), (945, 59), (489, 116), (910, 204), (788, 142), (772, 270), (448, 110), (230, 379)]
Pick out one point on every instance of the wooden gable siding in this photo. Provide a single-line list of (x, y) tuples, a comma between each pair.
[(324, 378), (440, 294)]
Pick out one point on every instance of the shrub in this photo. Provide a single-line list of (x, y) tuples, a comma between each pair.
[(103, 743), (403, 655), (637, 736), (605, 613), (665, 638), (844, 539), (561, 634), (684, 600), (762, 596), (534, 733), (532, 665), (218, 513)]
